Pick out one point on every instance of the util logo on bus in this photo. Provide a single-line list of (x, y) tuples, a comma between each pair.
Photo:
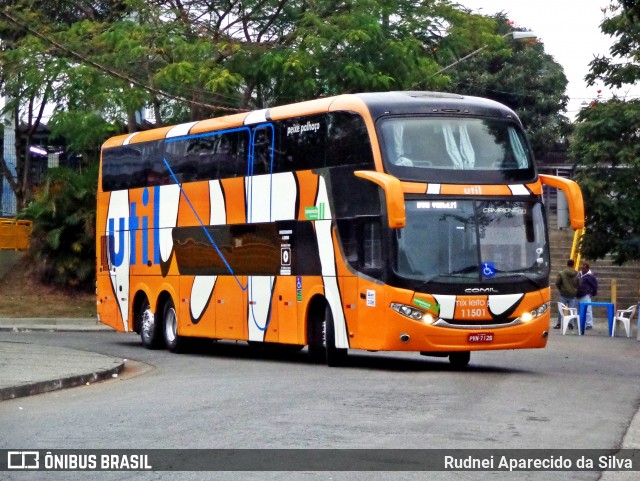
[(138, 225), (473, 190)]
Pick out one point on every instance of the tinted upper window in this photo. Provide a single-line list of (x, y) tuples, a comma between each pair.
[(350, 143), (324, 140), (217, 155), (455, 150), (301, 143)]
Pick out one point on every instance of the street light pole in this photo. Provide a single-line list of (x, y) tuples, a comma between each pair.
[(514, 35)]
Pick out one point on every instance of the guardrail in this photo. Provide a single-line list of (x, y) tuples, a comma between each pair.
[(14, 234)]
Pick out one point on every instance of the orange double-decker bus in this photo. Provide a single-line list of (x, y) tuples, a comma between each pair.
[(398, 221)]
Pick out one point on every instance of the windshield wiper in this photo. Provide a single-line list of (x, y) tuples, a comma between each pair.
[(465, 270), (533, 281), (506, 274)]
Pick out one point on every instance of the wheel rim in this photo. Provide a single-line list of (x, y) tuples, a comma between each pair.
[(171, 325), (148, 324)]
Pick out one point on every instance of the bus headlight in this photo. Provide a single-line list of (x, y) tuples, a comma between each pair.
[(540, 310), (412, 313), (535, 313), (409, 311)]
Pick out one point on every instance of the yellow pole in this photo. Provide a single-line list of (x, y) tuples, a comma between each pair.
[(614, 291), (575, 247)]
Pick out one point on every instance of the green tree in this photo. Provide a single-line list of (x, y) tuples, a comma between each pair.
[(606, 145), (522, 76), (32, 75), (606, 149), (623, 66), (28, 79), (96, 64), (353, 46)]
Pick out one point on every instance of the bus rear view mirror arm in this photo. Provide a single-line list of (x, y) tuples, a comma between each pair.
[(394, 196)]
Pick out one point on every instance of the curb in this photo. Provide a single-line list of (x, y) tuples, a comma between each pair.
[(50, 320), (39, 387), (53, 327), (72, 324)]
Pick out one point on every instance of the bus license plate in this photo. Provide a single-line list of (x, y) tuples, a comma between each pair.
[(481, 337)]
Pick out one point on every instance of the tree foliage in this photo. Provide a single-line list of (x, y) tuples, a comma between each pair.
[(97, 65), (606, 148), (524, 77), (606, 145), (623, 65)]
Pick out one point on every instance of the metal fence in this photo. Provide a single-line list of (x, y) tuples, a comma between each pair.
[(14, 234)]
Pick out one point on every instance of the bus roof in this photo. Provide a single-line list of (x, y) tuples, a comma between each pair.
[(390, 103), (377, 103)]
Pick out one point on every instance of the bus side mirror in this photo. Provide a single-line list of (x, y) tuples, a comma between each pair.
[(393, 194), (574, 197)]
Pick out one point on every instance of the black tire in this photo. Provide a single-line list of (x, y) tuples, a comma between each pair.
[(150, 331), (459, 360), (174, 342), (322, 341), (335, 357), (315, 339)]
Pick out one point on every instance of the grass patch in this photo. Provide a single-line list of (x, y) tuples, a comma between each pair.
[(22, 295)]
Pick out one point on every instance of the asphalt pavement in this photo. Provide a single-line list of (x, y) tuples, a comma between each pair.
[(27, 369)]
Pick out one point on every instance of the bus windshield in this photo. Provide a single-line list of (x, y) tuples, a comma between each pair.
[(472, 241), (436, 149)]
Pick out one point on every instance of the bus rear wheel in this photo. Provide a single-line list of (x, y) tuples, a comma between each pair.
[(460, 359), (150, 333), (174, 342)]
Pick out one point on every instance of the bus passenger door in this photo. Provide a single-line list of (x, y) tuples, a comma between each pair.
[(371, 294), (371, 313)]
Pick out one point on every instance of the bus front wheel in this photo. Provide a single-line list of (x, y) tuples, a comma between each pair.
[(335, 356), (322, 339), (460, 359), (150, 334)]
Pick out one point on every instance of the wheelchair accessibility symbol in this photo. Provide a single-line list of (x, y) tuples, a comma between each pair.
[(488, 269)]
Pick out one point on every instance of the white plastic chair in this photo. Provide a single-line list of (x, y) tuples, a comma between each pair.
[(624, 316), (568, 314)]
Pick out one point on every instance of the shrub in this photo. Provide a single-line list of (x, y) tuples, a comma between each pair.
[(63, 211)]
